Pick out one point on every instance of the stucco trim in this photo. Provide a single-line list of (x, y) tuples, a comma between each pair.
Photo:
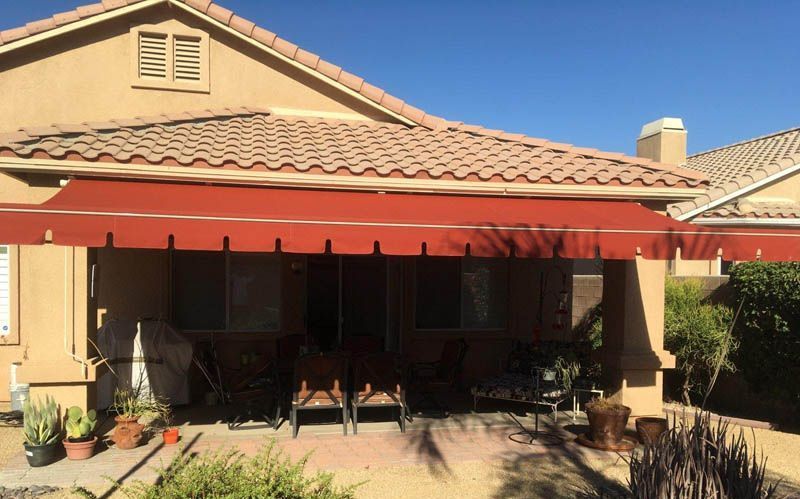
[(327, 181)]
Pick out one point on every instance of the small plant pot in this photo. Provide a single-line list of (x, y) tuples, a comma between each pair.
[(171, 436), (607, 426), (128, 433), (79, 449), (650, 429), (41, 455)]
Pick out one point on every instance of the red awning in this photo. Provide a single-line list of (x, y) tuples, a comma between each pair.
[(201, 217)]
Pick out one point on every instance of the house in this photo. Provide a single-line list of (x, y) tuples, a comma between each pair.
[(753, 183), (170, 159)]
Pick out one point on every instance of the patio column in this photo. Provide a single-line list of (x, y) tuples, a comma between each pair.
[(633, 355)]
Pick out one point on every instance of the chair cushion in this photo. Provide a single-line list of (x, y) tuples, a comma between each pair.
[(515, 386)]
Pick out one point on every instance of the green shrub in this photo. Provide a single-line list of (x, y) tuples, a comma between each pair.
[(697, 333), (769, 327), (229, 474), (699, 461)]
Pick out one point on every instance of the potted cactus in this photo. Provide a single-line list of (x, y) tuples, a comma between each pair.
[(41, 431), (80, 440)]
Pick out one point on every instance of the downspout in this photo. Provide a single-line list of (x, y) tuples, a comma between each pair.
[(84, 365)]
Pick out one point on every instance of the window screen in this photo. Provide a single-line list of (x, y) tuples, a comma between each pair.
[(199, 284), (5, 292), (461, 293), (255, 292)]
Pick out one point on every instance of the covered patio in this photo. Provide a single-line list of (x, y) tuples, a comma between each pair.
[(239, 270)]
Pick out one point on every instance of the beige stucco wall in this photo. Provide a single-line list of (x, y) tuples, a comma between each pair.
[(787, 188), (86, 76), (50, 309), (633, 352)]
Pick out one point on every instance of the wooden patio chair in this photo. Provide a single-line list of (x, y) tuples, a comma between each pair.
[(431, 379), (253, 392), (320, 382), (378, 382)]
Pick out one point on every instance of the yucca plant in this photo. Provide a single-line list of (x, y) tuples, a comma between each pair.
[(40, 421), (80, 425), (699, 461)]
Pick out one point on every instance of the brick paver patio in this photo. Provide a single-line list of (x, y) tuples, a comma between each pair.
[(429, 442)]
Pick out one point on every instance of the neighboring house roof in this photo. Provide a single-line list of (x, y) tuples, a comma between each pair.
[(217, 13), (256, 140), (736, 169), (755, 210)]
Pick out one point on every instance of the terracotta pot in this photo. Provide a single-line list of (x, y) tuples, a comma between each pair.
[(127, 433), (607, 426), (78, 451), (170, 436), (650, 429)]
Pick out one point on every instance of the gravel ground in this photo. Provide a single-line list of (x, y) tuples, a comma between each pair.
[(550, 476)]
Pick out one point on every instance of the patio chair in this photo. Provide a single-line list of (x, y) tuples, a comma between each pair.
[(251, 391), (432, 379), (320, 382), (378, 382)]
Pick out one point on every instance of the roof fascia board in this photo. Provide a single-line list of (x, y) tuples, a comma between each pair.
[(317, 181), (74, 26), (760, 222), (739, 193), (292, 62)]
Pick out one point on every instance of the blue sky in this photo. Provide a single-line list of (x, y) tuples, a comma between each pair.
[(587, 73)]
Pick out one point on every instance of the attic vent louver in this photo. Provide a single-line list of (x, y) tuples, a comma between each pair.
[(170, 58), (187, 59), (152, 56)]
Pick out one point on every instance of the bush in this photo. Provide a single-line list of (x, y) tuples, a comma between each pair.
[(229, 474), (769, 327), (697, 333), (697, 462)]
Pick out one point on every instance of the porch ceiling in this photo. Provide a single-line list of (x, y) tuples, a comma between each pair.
[(204, 217)]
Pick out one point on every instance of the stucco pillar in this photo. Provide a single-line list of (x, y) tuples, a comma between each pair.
[(633, 355)]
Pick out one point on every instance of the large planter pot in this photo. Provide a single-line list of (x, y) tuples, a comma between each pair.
[(78, 451), (41, 455), (170, 436), (607, 425), (650, 429), (128, 432)]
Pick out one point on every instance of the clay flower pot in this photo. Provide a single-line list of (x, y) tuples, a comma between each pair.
[(80, 450), (650, 429), (170, 436), (607, 424), (127, 433)]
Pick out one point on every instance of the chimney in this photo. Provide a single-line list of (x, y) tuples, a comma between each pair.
[(663, 140)]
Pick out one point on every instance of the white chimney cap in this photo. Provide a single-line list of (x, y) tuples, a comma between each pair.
[(662, 125)]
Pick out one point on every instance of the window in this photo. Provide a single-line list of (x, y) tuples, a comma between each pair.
[(461, 293), (5, 292), (216, 291), (170, 61)]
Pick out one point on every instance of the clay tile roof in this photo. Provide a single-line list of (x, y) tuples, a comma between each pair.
[(736, 166), (755, 209), (252, 138), (249, 29)]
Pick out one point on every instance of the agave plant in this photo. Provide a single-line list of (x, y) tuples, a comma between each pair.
[(80, 425), (697, 461), (40, 421)]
